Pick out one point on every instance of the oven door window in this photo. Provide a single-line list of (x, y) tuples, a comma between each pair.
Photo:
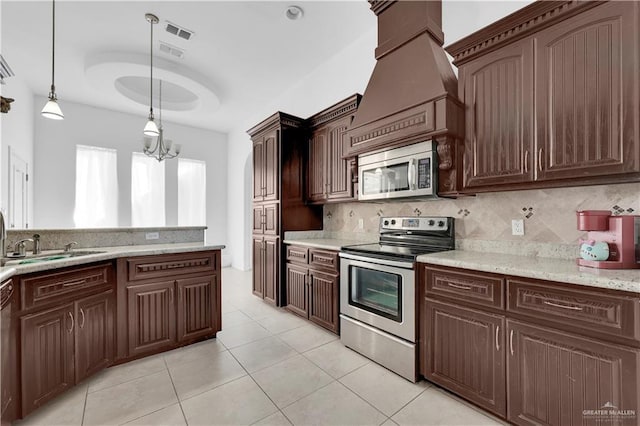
[(376, 292), (385, 179)]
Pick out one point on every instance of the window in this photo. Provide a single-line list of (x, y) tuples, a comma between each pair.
[(147, 191), (192, 192), (96, 187)]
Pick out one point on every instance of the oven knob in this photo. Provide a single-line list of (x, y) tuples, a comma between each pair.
[(386, 222), (440, 223), (393, 221), (431, 222)]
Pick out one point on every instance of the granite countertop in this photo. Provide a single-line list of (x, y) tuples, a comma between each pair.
[(542, 268), (102, 253), (326, 243)]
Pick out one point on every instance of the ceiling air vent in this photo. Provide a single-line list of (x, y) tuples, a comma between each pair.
[(171, 50), (179, 31)]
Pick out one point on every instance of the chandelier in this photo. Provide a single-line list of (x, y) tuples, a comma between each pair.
[(163, 148)]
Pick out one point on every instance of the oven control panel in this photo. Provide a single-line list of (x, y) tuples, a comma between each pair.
[(427, 223)]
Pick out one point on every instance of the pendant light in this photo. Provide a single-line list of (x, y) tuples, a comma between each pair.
[(51, 108), (151, 129), (162, 148)]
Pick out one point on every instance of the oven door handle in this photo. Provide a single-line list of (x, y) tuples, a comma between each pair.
[(374, 260)]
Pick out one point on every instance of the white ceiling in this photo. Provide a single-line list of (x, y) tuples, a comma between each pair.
[(243, 53)]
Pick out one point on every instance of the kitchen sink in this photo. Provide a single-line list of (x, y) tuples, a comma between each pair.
[(8, 261)]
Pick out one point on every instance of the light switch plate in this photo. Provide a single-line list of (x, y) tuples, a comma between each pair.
[(152, 235), (517, 227), (360, 223)]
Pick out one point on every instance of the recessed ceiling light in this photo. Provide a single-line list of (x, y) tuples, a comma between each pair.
[(294, 12)]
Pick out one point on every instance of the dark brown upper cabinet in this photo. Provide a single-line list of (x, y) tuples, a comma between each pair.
[(330, 176), (550, 97), (266, 166)]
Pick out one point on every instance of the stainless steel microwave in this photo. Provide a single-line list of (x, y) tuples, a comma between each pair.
[(409, 171)]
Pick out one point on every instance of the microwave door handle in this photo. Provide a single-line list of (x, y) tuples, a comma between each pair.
[(411, 174)]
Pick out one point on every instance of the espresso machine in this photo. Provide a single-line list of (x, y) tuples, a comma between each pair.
[(613, 242)]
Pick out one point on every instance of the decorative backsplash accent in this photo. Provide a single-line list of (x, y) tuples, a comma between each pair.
[(549, 213)]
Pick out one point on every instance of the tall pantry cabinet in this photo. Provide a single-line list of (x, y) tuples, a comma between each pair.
[(279, 158)]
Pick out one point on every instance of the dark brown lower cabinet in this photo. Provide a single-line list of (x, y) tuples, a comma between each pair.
[(8, 353), (151, 317), (266, 262), (465, 353), (313, 288), (557, 378), (197, 301), (95, 326)]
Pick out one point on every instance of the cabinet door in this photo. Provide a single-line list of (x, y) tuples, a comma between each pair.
[(271, 269), (258, 219), (258, 170), (8, 353), (317, 179), (198, 301), (553, 377), (464, 351), (47, 355), (271, 219), (498, 96), (339, 179), (271, 166), (95, 324), (151, 317), (323, 300), (297, 295), (258, 266), (587, 94)]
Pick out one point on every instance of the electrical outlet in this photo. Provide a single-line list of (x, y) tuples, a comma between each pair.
[(517, 227), (152, 235), (361, 223)]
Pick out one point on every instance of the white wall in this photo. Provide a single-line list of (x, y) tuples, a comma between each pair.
[(54, 172), (343, 75), (17, 133)]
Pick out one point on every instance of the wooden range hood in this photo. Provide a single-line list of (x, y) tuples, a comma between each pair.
[(412, 93)]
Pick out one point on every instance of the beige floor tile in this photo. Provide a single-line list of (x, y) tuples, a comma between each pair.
[(263, 353), (280, 321), (256, 308), (276, 419), (240, 402), (229, 319), (305, 338), (125, 372), (385, 390), (336, 359), (195, 377), (437, 407), (65, 410), (290, 380), (241, 334), (333, 405), (389, 423), (170, 416), (131, 400), (197, 351)]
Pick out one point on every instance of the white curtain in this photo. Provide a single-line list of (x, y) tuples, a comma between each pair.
[(147, 191), (192, 192), (96, 187)]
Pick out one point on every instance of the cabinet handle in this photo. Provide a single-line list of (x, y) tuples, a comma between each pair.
[(460, 286), (74, 283), (540, 151), (82, 313), (497, 341), (73, 323), (526, 161), (511, 342), (170, 295), (557, 305)]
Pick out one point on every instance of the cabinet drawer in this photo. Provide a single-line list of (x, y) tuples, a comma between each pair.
[(462, 285), (591, 311), (45, 288), (147, 267), (297, 254), (324, 259)]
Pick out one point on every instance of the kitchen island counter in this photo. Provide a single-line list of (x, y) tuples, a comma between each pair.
[(542, 268)]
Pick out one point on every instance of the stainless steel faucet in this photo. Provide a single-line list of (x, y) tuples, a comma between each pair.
[(20, 249), (69, 247), (3, 236), (37, 249)]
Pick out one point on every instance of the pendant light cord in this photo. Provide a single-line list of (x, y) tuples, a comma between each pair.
[(151, 82), (53, 52)]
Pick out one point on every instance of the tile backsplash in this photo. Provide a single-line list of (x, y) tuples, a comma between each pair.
[(549, 214)]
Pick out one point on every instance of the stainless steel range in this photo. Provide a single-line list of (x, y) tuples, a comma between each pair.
[(378, 289)]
